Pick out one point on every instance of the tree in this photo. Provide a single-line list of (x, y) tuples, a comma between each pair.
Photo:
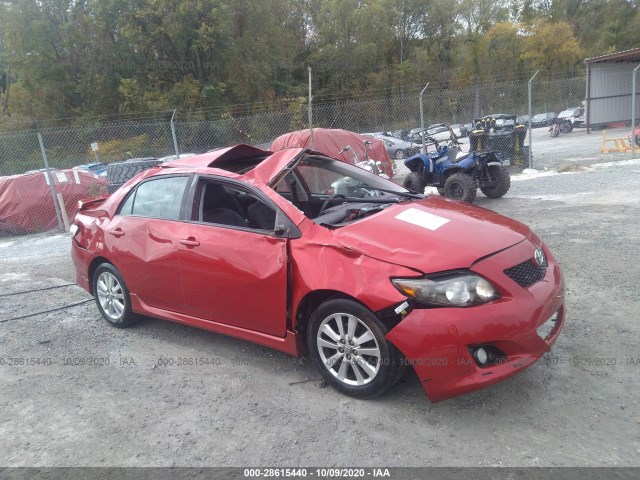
[(551, 46)]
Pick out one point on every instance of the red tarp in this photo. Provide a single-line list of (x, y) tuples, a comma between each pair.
[(26, 205), (331, 141)]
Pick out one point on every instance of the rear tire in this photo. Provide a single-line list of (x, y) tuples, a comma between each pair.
[(414, 182), (400, 155), (503, 181), (112, 297), (460, 186), (121, 172), (346, 342)]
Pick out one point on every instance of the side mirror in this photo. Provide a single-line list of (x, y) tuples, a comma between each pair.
[(281, 230)]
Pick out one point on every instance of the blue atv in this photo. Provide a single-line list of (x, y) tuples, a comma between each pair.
[(456, 174)]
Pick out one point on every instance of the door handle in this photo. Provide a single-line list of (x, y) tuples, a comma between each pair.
[(190, 242), (118, 232)]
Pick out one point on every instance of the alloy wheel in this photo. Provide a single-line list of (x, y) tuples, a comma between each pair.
[(348, 349), (110, 295)]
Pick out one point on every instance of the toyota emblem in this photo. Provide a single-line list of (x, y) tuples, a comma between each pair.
[(541, 260)]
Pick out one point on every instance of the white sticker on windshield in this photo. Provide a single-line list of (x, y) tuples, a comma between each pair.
[(421, 218)]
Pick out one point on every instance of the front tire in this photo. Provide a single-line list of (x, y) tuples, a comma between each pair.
[(566, 127), (415, 182), (112, 297), (502, 181), (460, 186), (400, 155), (347, 344)]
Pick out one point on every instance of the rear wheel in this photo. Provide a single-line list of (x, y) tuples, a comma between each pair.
[(347, 343), (112, 297), (414, 182), (500, 184), (460, 186), (399, 154)]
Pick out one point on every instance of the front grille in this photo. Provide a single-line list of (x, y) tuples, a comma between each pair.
[(526, 273)]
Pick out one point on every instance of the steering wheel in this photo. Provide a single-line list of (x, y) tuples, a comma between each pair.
[(328, 201)]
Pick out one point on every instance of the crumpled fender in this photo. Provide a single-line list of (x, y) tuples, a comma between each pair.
[(320, 262)]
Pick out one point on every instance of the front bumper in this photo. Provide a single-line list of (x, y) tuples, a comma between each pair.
[(437, 341)]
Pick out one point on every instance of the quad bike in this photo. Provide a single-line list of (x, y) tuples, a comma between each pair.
[(563, 125), (502, 134), (456, 174)]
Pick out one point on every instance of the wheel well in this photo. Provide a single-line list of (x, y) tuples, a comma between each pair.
[(316, 298), (415, 165), (306, 307), (95, 263), (450, 172)]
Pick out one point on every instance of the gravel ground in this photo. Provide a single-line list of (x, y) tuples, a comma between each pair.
[(132, 404)]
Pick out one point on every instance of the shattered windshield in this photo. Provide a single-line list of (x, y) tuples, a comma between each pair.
[(333, 193)]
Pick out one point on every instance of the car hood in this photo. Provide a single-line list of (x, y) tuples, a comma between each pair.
[(432, 234)]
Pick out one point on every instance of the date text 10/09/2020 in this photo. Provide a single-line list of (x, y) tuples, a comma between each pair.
[(317, 472)]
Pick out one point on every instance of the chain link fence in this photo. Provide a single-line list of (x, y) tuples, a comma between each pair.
[(77, 154)]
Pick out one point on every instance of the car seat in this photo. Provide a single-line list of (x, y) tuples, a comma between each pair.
[(218, 206)]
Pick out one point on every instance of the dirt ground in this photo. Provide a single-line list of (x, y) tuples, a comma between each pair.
[(77, 392)]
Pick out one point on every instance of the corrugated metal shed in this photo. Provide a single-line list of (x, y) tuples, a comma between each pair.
[(609, 85)]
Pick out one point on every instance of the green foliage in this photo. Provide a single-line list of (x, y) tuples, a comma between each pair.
[(64, 58)]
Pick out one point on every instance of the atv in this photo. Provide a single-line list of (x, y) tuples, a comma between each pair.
[(457, 174), (502, 134)]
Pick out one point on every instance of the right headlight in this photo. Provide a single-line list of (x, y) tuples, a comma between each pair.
[(452, 290)]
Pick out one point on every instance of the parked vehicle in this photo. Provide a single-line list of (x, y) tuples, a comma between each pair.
[(439, 132), (97, 168), (253, 244), (542, 119), (458, 175), (501, 134), (26, 205), (396, 148), (459, 130), (402, 135), (558, 125), (574, 115), (330, 140), (171, 158)]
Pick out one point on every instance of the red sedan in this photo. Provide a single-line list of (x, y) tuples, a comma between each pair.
[(312, 256)]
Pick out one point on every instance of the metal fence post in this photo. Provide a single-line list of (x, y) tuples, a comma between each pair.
[(530, 117), (422, 149), (633, 112), (173, 134), (313, 145), (50, 182)]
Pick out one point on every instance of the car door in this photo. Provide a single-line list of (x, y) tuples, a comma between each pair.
[(143, 241), (233, 267)]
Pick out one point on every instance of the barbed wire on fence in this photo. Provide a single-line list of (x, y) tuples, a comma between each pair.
[(126, 136)]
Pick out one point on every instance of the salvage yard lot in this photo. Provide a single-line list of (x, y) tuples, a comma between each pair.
[(77, 392)]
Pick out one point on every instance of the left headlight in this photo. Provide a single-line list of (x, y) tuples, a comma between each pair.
[(451, 290)]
